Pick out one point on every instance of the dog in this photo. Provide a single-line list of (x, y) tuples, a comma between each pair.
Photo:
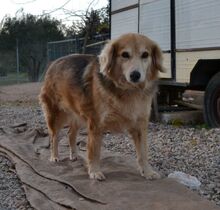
[(112, 92)]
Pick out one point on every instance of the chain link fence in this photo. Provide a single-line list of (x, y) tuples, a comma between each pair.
[(58, 49), (12, 72), (9, 69)]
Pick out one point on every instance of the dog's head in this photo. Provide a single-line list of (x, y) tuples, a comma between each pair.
[(131, 60)]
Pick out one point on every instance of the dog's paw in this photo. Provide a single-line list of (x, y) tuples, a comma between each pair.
[(54, 159), (73, 157), (150, 174), (97, 175)]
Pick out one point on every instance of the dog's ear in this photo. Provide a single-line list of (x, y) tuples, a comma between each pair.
[(157, 58), (106, 58), (157, 62)]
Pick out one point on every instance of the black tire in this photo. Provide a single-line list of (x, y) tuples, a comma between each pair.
[(212, 102)]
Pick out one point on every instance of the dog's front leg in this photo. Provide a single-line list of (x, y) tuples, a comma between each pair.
[(94, 150), (139, 135)]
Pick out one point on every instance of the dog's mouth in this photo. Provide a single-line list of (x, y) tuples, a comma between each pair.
[(123, 83)]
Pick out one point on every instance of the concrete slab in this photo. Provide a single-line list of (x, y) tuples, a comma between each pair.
[(184, 117)]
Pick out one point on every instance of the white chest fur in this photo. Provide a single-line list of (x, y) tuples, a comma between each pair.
[(118, 116)]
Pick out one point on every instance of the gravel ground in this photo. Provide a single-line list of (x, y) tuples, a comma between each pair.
[(195, 151), (12, 195)]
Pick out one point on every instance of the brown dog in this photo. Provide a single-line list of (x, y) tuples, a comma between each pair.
[(110, 93)]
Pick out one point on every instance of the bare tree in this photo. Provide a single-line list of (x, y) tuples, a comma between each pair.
[(85, 18), (2, 22)]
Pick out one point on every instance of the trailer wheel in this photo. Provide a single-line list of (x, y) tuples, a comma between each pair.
[(212, 102)]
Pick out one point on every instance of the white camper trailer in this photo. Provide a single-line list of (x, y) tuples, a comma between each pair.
[(188, 32)]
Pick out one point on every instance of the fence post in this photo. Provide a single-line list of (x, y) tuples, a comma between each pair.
[(17, 59)]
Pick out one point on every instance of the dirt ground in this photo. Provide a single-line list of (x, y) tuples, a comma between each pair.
[(20, 93)]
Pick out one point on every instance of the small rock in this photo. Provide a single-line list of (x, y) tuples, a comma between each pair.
[(186, 179), (211, 186)]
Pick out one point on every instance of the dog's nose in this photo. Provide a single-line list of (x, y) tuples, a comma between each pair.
[(135, 76)]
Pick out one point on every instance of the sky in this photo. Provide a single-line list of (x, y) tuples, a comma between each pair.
[(38, 7)]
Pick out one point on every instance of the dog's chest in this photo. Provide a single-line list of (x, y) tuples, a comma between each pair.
[(121, 116)]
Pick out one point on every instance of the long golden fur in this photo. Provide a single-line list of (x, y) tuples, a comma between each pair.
[(110, 93)]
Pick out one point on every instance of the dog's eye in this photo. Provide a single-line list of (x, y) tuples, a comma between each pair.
[(145, 55), (125, 55)]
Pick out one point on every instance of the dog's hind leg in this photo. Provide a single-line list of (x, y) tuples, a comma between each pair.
[(54, 146), (55, 124), (55, 120), (72, 140)]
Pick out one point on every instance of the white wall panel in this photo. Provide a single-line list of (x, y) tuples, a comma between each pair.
[(197, 23), (155, 21), (146, 1), (124, 22), (119, 4)]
